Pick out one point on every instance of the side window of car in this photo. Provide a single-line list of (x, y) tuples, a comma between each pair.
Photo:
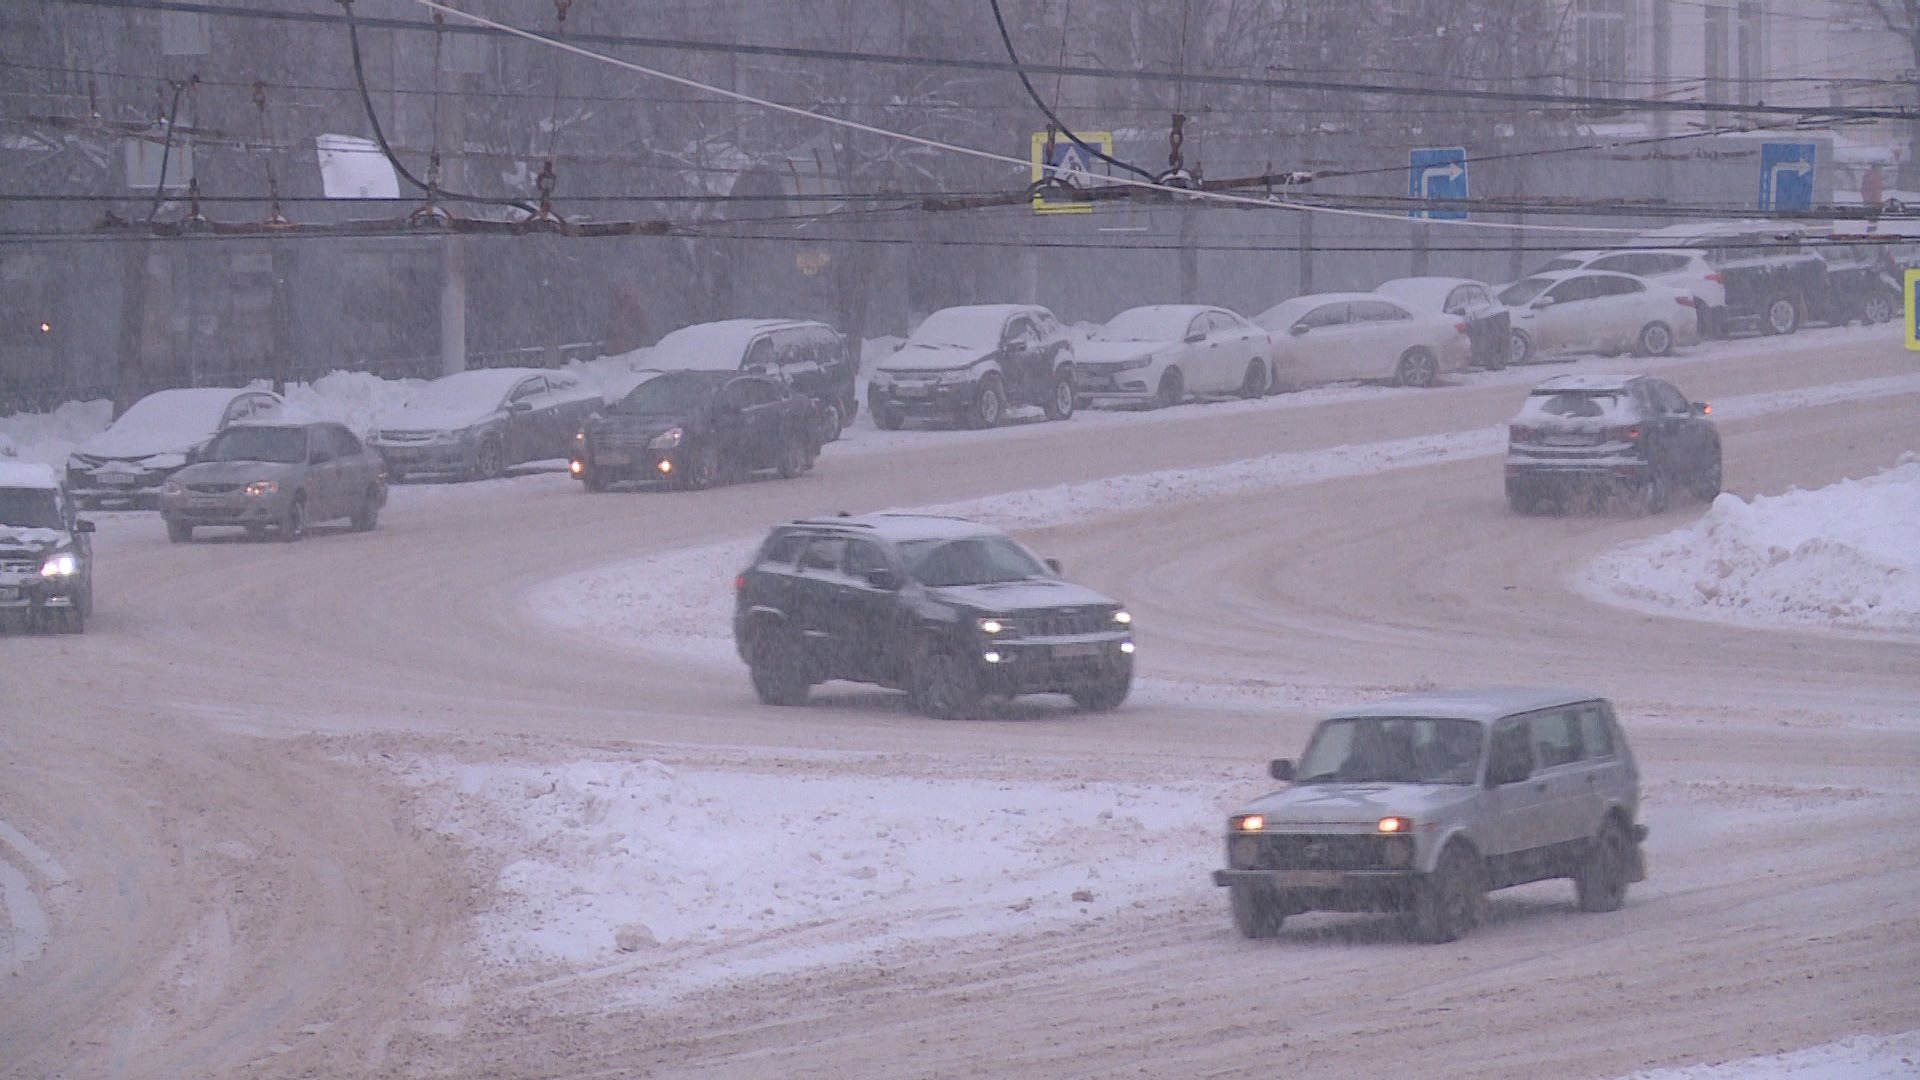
[(560, 383), (864, 557), (824, 555), (1376, 311), (1667, 399), (1510, 752), (1324, 315), (1621, 286), (1596, 738), (1556, 737), (781, 549), (762, 392), (238, 409), (528, 389), (1620, 264), (760, 354), (1021, 333), (1459, 300), (1574, 290)]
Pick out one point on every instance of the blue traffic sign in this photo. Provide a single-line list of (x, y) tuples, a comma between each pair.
[(1438, 172), (1786, 175)]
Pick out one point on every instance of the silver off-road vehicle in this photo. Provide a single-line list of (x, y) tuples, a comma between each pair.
[(1423, 803)]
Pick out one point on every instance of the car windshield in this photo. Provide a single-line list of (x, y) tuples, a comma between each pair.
[(1561, 264), (466, 391), (974, 560), (968, 328), (1393, 750), (667, 395), (1576, 404), (281, 445), (1523, 292), (1145, 324), (30, 508)]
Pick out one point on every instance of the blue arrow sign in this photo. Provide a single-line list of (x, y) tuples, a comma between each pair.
[(1438, 172), (1786, 175)]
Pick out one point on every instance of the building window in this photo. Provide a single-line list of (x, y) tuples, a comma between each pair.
[(1600, 43)]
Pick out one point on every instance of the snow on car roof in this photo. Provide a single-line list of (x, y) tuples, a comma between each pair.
[(163, 421), (1709, 229), (1485, 704), (1425, 290), (1310, 301), (28, 474), (711, 345), (899, 527)]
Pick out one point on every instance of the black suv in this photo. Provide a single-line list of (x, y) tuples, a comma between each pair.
[(947, 609), (1581, 436), (1774, 281), (46, 553), (972, 364)]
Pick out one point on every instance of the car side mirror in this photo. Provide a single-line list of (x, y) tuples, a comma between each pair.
[(881, 577), (520, 407), (1700, 408), (83, 526), (1298, 329), (1280, 769), (1054, 565)]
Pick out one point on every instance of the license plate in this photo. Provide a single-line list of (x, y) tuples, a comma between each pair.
[(115, 479), (1569, 440), (1307, 879), (203, 503), (1075, 651), (903, 390), (612, 459)]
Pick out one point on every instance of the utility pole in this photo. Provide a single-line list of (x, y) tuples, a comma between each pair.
[(452, 127), (1662, 85)]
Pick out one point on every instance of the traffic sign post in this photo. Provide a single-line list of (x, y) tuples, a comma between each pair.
[(1912, 297), (1437, 172), (1786, 175), (1061, 161)]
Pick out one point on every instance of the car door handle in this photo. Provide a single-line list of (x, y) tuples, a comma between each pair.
[(1541, 786)]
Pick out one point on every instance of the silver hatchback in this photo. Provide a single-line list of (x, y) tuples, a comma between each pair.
[(1423, 804), (284, 476)]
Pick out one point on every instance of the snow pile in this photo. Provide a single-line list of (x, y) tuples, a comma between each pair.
[(354, 398), (601, 858), (1863, 1057), (1847, 555), (49, 437)]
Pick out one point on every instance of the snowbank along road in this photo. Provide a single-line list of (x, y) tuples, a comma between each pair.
[(362, 806)]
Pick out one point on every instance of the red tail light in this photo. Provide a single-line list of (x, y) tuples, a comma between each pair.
[(1717, 277), (739, 582), (1683, 301), (1460, 326), (1706, 409), (1521, 433), (1623, 434)]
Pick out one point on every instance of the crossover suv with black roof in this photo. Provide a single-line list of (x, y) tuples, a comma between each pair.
[(971, 364), (949, 610), (1422, 804), (1584, 438), (695, 429)]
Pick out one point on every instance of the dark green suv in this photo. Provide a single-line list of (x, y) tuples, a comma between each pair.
[(46, 553), (949, 610)]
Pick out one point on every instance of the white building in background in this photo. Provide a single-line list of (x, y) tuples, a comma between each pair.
[(1776, 52)]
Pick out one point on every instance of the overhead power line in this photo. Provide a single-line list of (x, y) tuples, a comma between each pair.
[(1449, 92)]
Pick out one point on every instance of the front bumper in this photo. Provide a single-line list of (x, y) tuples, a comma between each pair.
[(1056, 665), (235, 508), (921, 399), (426, 459), (139, 492), (28, 592), (617, 464)]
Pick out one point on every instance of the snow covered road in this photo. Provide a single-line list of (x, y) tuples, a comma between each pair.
[(285, 784)]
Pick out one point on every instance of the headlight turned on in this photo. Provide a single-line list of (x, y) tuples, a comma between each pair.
[(61, 565), (263, 487), (1123, 617), (666, 440), (1249, 823), (1396, 825)]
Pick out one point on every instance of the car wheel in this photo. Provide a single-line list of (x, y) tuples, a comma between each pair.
[(886, 417), (1060, 401), (1256, 382), (179, 531), (1706, 486), (701, 469), (1256, 911), (396, 476), (86, 600), (1653, 493), (1782, 316), (944, 687), (73, 620), (294, 525), (1172, 389), (490, 460), (793, 459), (831, 422), (1519, 347), (989, 405), (1417, 368), (1107, 694), (1877, 309), (1522, 502), (366, 516), (777, 669), (592, 478), (1600, 881), (1656, 339), (1447, 902)]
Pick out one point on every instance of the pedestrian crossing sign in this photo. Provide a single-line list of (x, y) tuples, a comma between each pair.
[(1067, 168)]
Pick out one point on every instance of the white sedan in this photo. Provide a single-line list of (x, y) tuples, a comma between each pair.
[(1163, 353), (1597, 311), (1335, 337)]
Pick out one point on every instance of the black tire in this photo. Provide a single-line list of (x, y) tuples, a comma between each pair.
[(777, 669), (1256, 911), (831, 422), (592, 478), (1524, 503), (1519, 347), (944, 687), (293, 527), (1600, 881), (179, 532), (1877, 309), (700, 470), (989, 408), (73, 620), (366, 516), (1656, 339), (1706, 484), (396, 476), (1256, 383), (1447, 903), (1781, 317), (793, 458), (1172, 389), (490, 460), (1106, 695), (1418, 367), (885, 417), (1060, 397), (86, 600)]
